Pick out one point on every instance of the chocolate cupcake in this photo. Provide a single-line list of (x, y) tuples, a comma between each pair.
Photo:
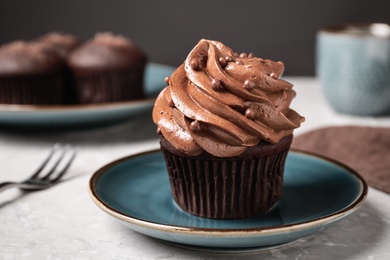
[(63, 44), (30, 73), (226, 130), (108, 68)]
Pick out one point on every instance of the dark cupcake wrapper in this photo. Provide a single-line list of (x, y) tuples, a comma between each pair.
[(226, 188), (109, 87), (41, 90)]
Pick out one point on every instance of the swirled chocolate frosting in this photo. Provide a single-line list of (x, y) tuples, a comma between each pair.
[(222, 102)]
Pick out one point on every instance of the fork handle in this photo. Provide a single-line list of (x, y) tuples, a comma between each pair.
[(6, 185)]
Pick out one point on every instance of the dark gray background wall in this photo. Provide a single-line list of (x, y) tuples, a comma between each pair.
[(167, 30)]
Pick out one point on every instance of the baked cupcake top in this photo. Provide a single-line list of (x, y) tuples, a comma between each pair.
[(221, 102), (62, 42), (106, 52), (28, 58)]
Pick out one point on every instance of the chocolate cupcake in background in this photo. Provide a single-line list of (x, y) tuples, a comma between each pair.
[(108, 68), (63, 43), (31, 73), (226, 128)]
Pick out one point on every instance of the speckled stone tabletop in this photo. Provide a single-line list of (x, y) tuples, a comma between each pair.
[(64, 223)]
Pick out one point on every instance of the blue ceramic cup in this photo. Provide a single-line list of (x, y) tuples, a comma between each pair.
[(353, 66)]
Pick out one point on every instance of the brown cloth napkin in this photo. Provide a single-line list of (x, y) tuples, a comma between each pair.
[(364, 149)]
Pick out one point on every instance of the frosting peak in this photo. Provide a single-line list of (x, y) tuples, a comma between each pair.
[(222, 102)]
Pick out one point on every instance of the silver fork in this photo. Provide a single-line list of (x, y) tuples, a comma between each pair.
[(37, 182)]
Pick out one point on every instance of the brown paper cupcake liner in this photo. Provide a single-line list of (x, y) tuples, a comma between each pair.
[(109, 87), (41, 90), (226, 188)]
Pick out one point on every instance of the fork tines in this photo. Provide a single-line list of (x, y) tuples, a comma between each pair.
[(56, 158)]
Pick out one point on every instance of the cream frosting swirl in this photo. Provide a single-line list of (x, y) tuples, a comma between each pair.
[(221, 102)]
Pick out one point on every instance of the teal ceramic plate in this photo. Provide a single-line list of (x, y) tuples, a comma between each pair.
[(70, 115), (317, 192)]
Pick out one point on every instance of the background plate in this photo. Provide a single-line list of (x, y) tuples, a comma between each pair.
[(317, 192), (71, 115)]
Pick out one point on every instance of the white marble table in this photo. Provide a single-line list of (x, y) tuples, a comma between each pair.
[(63, 222)]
